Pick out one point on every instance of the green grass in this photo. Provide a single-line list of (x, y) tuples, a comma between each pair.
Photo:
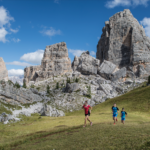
[(67, 132)]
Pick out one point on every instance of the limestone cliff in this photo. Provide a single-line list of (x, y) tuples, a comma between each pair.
[(3, 70), (124, 43), (55, 62)]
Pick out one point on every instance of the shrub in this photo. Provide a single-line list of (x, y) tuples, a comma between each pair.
[(48, 89), (24, 85), (57, 85), (32, 86), (89, 91), (10, 82), (68, 80), (38, 88), (77, 80), (17, 85)]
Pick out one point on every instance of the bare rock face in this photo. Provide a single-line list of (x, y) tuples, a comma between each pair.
[(3, 70), (86, 64), (124, 43), (30, 73), (55, 62)]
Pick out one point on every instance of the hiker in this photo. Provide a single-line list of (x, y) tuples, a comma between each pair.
[(115, 111), (87, 113), (123, 115)]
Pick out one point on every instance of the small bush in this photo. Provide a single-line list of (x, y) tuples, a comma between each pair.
[(17, 85), (32, 86), (48, 89), (77, 80), (38, 88), (68, 80), (24, 85), (57, 85), (10, 82), (89, 91)]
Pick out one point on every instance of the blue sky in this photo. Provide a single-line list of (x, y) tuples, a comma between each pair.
[(28, 26)]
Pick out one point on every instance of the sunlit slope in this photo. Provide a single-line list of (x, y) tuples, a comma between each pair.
[(135, 131), (137, 100)]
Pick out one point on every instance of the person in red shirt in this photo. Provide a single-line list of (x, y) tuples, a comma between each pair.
[(87, 113)]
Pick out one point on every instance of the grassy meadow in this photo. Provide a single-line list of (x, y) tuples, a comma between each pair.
[(67, 133)]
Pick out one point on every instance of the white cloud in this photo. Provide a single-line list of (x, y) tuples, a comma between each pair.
[(79, 52), (50, 32), (146, 23), (115, 3), (140, 2), (14, 31), (76, 52), (3, 34), (5, 18), (16, 40), (5, 29), (56, 1), (34, 57), (92, 53), (24, 64), (15, 72)]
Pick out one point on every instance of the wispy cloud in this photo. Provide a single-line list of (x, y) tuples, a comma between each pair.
[(14, 31), (24, 64), (92, 53), (76, 52), (16, 40), (146, 23), (115, 3), (79, 52), (33, 57), (50, 32)]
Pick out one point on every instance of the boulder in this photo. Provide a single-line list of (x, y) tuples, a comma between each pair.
[(86, 64), (131, 75), (47, 110), (3, 70), (72, 87), (108, 90), (128, 81), (141, 71), (76, 74), (98, 100), (120, 74), (106, 69)]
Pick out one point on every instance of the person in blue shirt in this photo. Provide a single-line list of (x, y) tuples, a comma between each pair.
[(115, 111), (123, 115)]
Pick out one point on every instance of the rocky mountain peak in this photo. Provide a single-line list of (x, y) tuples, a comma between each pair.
[(124, 43), (55, 62)]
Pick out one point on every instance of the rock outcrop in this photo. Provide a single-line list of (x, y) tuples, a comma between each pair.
[(72, 87), (13, 95), (55, 62), (3, 70), (86, 64), (124, 43)]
